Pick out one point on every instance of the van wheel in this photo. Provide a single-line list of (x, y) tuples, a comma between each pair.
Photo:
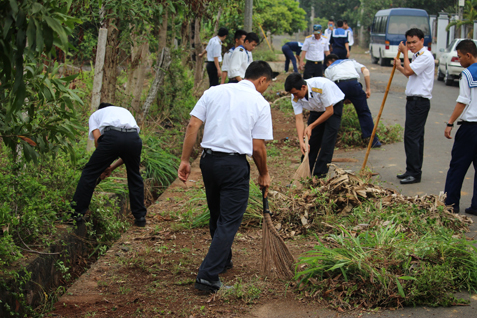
[(374, 60), (448, 80), (440, 75), (383, 61)]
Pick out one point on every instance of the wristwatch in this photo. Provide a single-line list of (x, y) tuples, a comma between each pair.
[(449, 125)]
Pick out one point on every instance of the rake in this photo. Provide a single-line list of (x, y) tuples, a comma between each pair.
[(275, 253)]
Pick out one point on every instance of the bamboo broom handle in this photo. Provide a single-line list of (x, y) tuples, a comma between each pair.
[(379, 116)]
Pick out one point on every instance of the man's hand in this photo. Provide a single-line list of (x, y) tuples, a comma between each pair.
[(402, 47), (106, 173), (184, 171), (219, 73), (308, 131), (347, 54), (368, 93), (304, 147), (264, 183), (302, 66), (447, 132)]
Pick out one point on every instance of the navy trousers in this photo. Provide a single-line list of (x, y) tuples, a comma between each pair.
[(323, 140), (226, 180), (464, 152), (341, 52), (212, 72), (313, 69), (289, 56), (416, 117), (111, 145), (354, 93)]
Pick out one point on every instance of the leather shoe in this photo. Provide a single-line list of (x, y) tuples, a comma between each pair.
[(207, 286), (227, 267), (140, 222), (411, 179), (471, 211), (403, 175)]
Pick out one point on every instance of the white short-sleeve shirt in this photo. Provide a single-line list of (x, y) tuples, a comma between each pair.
[(350, 36), (214, 49), (322, 93), (421, 82), (467, 96), (343, 69), (226, 60), (315, 49), (239, 61), (115, 116), (234, 115)]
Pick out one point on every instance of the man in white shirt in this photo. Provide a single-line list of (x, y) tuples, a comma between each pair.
[(464, 151), (324, 100), (214, 56), (345, 74), (242, 57), (418, 94), (115, 134), (329, 29), (350, 34), (314, 50), (239, 38), (237, 122)]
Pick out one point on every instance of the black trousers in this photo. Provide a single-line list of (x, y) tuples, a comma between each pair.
[(111, 145), (226, 180), (416, 117), (323, 140), (464, 153), (212, 72), (313, 69), (341, 52)]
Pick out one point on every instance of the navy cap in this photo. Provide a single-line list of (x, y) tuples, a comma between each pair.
[(317, 29)]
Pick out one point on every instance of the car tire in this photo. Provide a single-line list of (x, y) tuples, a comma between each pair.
[(440, 75), (448, 80), (374, 60), (383, 61)]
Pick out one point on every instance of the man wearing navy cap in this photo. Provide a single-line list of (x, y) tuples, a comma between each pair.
[(314, 49), (339, 41)]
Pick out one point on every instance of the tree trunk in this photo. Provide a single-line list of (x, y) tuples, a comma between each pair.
[(108, 93), (135, 60), (216, 27), (199, 65), (140, 74), (162, 37)]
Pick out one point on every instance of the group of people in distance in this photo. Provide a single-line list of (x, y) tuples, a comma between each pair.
[(237, 122)]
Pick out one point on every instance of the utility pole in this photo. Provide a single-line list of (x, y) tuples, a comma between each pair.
[(461, 18), (312, 19), (247, 19)]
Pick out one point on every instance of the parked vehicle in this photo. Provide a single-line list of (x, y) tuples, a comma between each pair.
[(388, 29), (449, 68)]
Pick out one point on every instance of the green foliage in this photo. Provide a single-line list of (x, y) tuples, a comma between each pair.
[(470, 15), (279, 16), (36, 104), (263, 53)]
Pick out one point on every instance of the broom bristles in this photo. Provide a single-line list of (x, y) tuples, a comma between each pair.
[(275, 253)]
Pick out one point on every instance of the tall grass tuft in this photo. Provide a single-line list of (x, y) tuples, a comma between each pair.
[(161, 166)]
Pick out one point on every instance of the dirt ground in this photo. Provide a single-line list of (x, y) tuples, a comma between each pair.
[(150, 271)]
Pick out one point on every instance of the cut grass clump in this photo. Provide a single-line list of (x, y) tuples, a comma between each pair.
[(388, 268)]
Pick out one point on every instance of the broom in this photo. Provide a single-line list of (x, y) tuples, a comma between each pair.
[(274, 251)]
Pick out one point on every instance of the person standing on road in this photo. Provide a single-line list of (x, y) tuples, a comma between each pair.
[(350, 34), (339, 41), (242, 57), (288, 49), (239, 38), (214, 56), (345, 74), (314, 50), (115, 134), (464, 151), (324, 100), (418, 95), (237, 121)]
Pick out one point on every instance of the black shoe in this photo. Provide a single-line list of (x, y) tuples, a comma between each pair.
[(140, 222), (227, 267), (411, 179), (471, 211), (77, 217), (403, 176), (207, 286), (376, 144)]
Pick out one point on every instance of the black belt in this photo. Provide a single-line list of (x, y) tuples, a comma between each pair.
[(315, 62), (120, 129), (463, 122), (417, 98), (221, 154), (346, 80)]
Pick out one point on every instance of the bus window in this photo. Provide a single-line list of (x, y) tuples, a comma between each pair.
[(400, 24)]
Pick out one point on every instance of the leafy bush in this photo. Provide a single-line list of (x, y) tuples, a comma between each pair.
[(263, 53)]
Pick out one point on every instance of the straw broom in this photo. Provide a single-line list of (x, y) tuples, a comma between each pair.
[(275, 253)]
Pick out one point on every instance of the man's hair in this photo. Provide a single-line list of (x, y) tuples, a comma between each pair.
[(223, 31), (415, 32), (339, 24), (252, 37), (331, 20), (103, 105), (345, 21), (257, 69), (239, 33), (467, 46), (294, 80), (331, 57)]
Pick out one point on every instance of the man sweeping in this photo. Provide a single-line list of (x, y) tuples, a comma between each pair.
[(237, 121)]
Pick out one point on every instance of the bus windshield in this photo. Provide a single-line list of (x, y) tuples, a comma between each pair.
[(400, 24)]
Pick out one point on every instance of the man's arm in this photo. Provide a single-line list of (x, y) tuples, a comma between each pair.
[(459, 108), (406, 69), (224, 76), (96, 134), (189, 141), (203, 52), (300, 129), (347, 49), (217, 65), (111, 168), (324, 117), (302, 60), (367, 81), (260, 158)]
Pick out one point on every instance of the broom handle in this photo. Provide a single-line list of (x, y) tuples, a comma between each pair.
[(266, 208), (379, 115)]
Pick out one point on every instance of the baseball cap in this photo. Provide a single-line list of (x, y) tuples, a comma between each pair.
[(317, 29)]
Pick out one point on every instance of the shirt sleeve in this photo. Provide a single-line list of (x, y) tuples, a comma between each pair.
[(200, 109), (93, 124), (305, 45), (331, 94), (327, 45), (225, 62), (297, 108), (216, 49), (464, 91), (235, 63), (358, 66), (263, 128), (420, 64)]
